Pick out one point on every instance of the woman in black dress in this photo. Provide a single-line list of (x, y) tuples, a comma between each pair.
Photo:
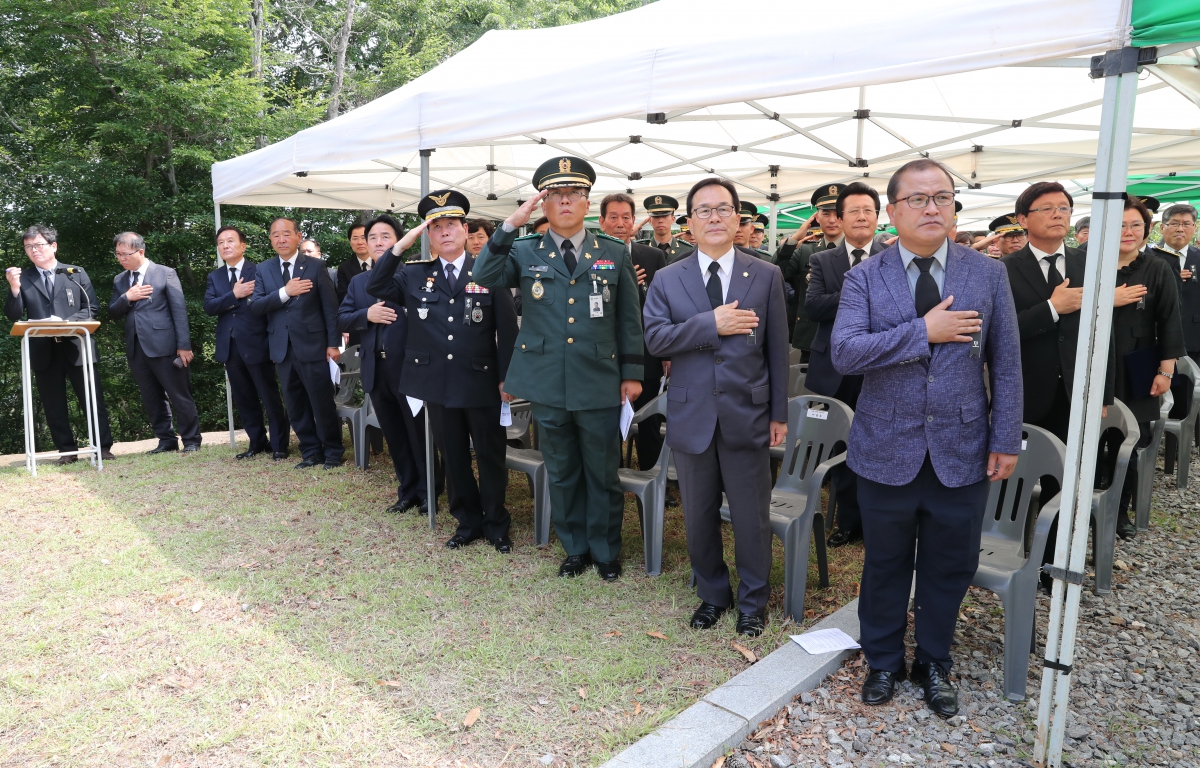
[(1145, 314)]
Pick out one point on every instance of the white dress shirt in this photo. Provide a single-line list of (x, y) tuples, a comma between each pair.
[(364, 265), (724, 270), (141, 271), (866, 249), (48, 274), (1060, 263), (291, 261)]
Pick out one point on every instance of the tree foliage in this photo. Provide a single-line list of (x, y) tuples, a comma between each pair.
[(112, 113)]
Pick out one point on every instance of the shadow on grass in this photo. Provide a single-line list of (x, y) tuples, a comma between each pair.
[(250, 613)]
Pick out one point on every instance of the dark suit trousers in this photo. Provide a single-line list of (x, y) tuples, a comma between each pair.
[(649, 435), (745, 477), (934, 527), (52, 389), (479, 508), (844, 481), (254, 386), (160, 380), (405, 435), (308, 392)]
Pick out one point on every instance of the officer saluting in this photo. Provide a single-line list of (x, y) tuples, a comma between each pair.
[(460, 341), (578, 356), (661, 209)]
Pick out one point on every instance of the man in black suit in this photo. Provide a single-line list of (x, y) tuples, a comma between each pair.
[(460, 342), (298, 298), (616, 220), (242, 347), (857, 208), (48, 289), (353, 267), (149, 298), (792, 259), (382, 330), (1178, 230)]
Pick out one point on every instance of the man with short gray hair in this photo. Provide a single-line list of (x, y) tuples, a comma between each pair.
[(1178, 232), (149, 298)]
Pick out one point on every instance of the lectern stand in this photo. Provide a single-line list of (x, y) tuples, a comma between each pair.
[(41, 329)]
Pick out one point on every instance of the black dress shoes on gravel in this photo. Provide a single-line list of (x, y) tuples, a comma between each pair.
[(706, 616), (279, 455), (751, 624), (250, 454), (840, 538), (307, 464), (1125, 529), (503, 544), (610, 571), (574, 565), (880, 685), (940, 695)]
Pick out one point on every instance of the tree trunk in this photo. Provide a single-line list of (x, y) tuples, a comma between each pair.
[(257, 22), (339, 61), (170, 158)]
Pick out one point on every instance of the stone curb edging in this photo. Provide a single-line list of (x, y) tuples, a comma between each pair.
[(700, 734)]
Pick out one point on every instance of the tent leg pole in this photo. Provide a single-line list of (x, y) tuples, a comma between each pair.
[(1112, 167), (425, 153), (430, 475), (774, 225)]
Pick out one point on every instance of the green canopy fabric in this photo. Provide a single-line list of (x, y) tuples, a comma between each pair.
[(1161, 22), (1176, 188)]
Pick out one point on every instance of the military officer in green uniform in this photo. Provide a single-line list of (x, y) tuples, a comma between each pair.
[(746, 213), (578, 356), (685, 233), (792, 259), (759, 234), (661, 209)]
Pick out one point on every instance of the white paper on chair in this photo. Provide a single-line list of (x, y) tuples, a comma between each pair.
[(335, 373), (662, 385), (415, 404), (825, 641), (505, 415), (626, 418)]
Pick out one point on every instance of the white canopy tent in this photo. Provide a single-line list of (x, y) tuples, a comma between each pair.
[(997, 89), (796, 115)]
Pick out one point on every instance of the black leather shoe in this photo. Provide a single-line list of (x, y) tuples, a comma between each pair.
[(458, 541), (575, 564), (840, 538), (751, 624), (707, 616), (610, 571), (671, 502), (107, 455), (64, 460), (168, 448), (940, 695), (279, 455), (420, 507), (1125, 529), (250, 454), (332, 463), (503, 545), (880, 685), (306, 464), (191, 449), (400, 507)]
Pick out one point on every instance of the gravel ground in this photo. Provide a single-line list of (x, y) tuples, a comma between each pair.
[(1133, 697)]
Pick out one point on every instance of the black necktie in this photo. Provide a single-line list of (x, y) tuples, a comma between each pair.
[(133, 279), (287, 272), (49, 285), (927, 296), (450, 277), (364, 266), (714, 285), (664, 247), (1053, 279), (232, 277), (568, 249), (857, 253)]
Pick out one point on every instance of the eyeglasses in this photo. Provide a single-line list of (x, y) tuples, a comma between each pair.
[(1173, 224), (704, 212), (1136, 226), (1065, 210), (36, 246), (121, 255), (941, 199), (859, 212), (573, 195)]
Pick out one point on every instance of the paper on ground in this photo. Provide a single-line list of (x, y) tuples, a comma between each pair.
[(626, 418), (335, 373), (505, 415), (825, 641), (415, 404)]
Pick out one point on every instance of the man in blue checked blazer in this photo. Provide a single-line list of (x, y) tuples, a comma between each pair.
[(919, 322)]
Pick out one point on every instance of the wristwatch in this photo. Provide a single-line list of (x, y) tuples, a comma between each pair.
[(1168, 375)]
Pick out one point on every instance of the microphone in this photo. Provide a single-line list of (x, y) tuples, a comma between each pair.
[(68, 271)]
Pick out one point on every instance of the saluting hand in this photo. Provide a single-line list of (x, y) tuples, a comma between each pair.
[(410, 237), (732, 321), (242, 289), (1066, 299), (381, 313), (942, 325), (521, 216)]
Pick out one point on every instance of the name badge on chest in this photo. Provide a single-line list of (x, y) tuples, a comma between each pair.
[(595, 305), (70, 298)]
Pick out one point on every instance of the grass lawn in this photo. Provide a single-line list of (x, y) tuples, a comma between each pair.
[(199, 611)]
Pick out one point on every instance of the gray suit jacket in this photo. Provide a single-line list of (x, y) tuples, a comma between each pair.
[(160, 322), (740, 381)]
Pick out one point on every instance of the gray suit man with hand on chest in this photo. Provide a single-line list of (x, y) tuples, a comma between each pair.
[(721, 316), (1178, 230), (149, 298)]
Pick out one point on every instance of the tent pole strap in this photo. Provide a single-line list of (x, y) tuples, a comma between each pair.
[(774, 225), (1112, 167), (228, 391), (430, 484), (425, 153)]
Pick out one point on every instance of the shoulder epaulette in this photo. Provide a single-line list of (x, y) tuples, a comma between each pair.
[(610, 238), (430, 260), (528, 237)]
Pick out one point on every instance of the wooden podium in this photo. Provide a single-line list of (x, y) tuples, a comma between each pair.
[(41, 329)]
